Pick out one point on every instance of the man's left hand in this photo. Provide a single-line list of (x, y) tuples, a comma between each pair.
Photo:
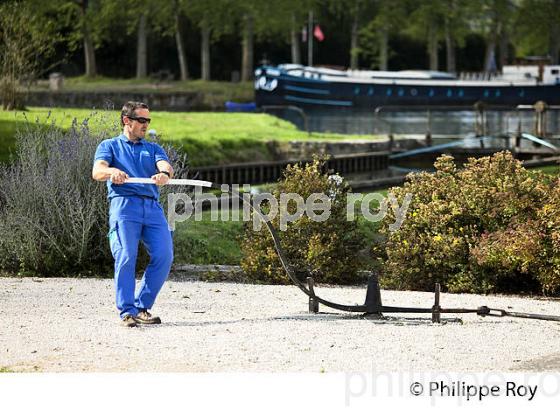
[(160, 179)]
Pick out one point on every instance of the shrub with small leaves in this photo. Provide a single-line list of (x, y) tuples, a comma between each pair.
[(53, 215), (327, 250), (476, 229)]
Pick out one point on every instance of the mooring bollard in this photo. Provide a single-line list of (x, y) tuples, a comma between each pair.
[(313, 303)]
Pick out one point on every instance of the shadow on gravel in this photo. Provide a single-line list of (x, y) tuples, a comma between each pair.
[(322, 317), (542, 364)]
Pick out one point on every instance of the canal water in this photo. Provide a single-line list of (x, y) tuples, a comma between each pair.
[(439, 122), (444, 126)]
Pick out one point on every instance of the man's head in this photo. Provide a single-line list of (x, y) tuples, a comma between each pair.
[(135, 119)]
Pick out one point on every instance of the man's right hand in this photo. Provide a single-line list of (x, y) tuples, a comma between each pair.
[(118, 177)]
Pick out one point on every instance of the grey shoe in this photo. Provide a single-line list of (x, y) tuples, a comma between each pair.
[(145, 318), (128, 321)]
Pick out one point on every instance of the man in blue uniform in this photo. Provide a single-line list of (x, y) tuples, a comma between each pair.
[(135, 214)]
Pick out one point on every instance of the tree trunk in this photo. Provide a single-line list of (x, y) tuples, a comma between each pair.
[(490, 54), (181, 51), (310, 25), (554, 39), (205, 52), (504, 52), (142, 50), (294, 39), (89, 51), (554, 46), (450, 50), (433, 49), (247, 58), (384, 49), (354, 42)]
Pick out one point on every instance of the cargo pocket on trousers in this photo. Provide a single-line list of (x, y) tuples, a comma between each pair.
[(114, 238)]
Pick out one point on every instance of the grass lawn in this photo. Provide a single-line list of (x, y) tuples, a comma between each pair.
[(553, 170), (208, 242), (7, 138), (217, 242), (208, 138)]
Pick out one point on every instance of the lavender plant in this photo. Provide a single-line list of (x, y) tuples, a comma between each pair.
[(53, 215)]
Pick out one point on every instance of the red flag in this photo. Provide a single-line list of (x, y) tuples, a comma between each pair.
[(318, 33)]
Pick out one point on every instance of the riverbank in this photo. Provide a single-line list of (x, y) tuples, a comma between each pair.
[(208, 138), (197, 95)]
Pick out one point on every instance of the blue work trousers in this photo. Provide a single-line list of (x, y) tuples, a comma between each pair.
[(133, 219)]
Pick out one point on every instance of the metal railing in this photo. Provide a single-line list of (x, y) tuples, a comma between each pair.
[(542, 125)]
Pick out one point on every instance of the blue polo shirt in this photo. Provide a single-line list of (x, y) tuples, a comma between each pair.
[(137, 159)]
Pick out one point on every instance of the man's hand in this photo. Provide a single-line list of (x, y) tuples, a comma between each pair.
[(118, 177), (160, 179)]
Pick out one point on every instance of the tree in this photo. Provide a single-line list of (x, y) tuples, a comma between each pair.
[(141, 17), (181, 52), (493, 21), (85, 23), (247, 45), (259, 20), (538, 28), (428, 21), (142, 48), (357, 11), (26, 39), (457, 15), (167, 21), (388, 18), (214, 19)]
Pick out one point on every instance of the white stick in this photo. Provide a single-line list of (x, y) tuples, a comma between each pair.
[(193, 182)]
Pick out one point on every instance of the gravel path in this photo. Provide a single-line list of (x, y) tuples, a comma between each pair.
[(71, 325)]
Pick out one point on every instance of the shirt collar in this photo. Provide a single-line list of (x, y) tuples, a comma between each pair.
[(125, 139)]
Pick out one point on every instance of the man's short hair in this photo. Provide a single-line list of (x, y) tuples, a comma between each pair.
[(130, 107)]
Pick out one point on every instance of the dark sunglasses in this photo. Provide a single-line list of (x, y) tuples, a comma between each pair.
[(141, 120)]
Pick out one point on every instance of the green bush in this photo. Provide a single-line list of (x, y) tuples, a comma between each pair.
[(488, 227), (325, 250), (53, 215)]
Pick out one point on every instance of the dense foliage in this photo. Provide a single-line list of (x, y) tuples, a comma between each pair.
[(491, 226), (214, 38), (327, 251)]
